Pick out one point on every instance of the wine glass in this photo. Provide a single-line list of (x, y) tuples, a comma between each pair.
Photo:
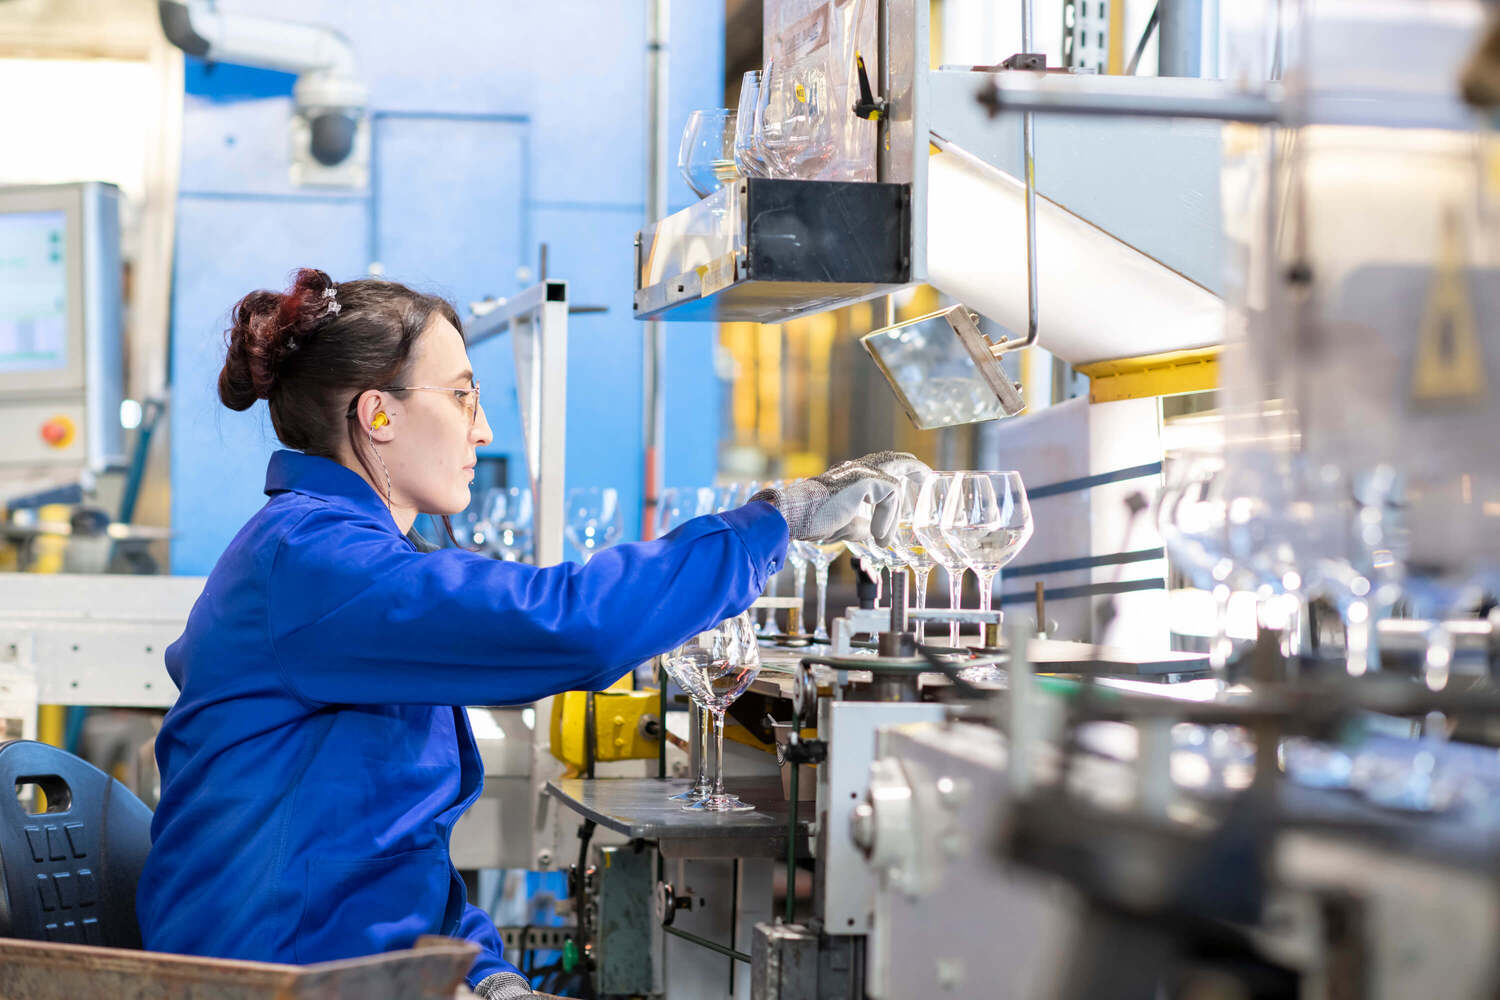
[(927, 526), (748, 155), (717, 666), (594, 519), (822, 554), (731, 495), (509, 513), (682, 670), (987, 521), (796, 557), (1192, 516), (678, 505), (767, 624), (795, 127), (675, 507), (906, 545), (870, 563), (706, 157)]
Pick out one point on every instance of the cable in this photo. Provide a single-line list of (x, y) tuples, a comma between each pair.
[(1140, 47)]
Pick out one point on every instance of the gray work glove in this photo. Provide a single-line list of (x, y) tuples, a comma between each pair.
[(505, 986), (895, 464), (828, 507)]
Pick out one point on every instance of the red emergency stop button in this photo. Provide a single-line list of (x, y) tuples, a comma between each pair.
[(58, 432)]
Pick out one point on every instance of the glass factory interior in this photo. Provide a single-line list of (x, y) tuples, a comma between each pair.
[(973, 498)]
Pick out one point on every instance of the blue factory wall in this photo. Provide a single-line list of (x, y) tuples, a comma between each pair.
[(496, 127)]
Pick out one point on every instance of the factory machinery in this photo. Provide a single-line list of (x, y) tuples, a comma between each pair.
[(1083, 807), (1121, 785)]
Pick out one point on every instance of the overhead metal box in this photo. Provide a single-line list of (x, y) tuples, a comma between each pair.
[(769, 250)]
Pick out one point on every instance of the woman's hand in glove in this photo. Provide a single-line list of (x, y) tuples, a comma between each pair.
[(829, 507)]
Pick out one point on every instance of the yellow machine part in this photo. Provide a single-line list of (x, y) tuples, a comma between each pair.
[(1170, 374), (617, 720)]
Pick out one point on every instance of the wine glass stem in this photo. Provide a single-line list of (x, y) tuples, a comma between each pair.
[(986, 590), (820, 574), (1218, 649), (799, 583), (768, 615), (719, 737), (955, 598), (921, 575), (704, 728)]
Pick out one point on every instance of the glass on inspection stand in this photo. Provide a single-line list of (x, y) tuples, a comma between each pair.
[(715, 668)]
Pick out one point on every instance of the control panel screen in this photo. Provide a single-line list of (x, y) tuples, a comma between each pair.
[(33, 291)]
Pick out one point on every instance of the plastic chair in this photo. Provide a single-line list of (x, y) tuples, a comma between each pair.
[(70, 872)]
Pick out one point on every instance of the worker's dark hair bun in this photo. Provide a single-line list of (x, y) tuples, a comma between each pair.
[(268, 328)]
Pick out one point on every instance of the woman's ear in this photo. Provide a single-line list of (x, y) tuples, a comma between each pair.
[(375, 417)]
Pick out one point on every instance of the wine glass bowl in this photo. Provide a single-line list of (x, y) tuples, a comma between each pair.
[(594, 519), (706, 157), (678, 505), (986, 519), (749, 157), (511, 517)]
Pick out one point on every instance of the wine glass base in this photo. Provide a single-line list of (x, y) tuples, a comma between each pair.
[(720, 803), (691, 795)]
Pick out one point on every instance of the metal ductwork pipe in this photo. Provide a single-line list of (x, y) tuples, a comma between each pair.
[(328, 92)]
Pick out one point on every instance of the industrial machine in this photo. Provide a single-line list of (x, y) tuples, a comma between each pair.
[(61, 338), (1306, 812)]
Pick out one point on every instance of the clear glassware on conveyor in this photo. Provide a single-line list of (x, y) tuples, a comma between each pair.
[(715, 668), (911, 550), (1363, 395), (927, 526), (986, 520)]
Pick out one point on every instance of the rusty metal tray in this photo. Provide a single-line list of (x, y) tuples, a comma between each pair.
[(42, 970)]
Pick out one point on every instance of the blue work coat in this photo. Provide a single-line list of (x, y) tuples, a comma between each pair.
[(316, 760)]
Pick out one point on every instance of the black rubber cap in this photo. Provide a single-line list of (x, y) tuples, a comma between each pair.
[(177, 25), (333, 137)]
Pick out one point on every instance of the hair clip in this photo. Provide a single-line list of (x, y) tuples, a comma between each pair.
[(333, 306)]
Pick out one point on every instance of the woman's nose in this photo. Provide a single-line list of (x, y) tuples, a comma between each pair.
[(481, 432)]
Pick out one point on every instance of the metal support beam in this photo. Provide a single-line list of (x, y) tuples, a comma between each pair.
[(537, 320), (1181, 35), (654, 347)]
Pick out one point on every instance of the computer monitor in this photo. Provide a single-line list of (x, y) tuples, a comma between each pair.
[(33, 291), (61, 352)]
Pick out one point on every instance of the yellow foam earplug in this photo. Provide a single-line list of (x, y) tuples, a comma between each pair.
[(379, 421)]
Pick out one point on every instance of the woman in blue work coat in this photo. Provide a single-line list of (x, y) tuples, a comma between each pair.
[(317, 756)]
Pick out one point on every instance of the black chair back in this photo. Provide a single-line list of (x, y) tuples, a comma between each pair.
[(69, 872)]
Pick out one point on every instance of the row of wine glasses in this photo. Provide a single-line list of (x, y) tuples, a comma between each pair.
[(783, 127), (499, 523), (715, 668), (1288, 531), (961, 521)]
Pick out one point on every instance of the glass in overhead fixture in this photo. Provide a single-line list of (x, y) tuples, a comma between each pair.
[(944, 370)]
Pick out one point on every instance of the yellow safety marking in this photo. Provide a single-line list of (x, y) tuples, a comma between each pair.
[(1115, 64), (1449, 363), (51, 720), (1170, 374)]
